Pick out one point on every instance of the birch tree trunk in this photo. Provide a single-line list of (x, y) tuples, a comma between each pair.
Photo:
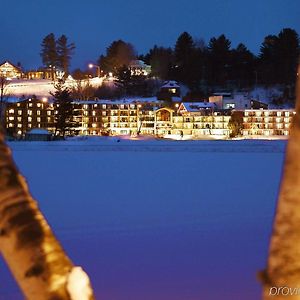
[(34, 256), (281, 279)]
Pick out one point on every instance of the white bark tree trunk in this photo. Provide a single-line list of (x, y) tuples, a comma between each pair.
[(281, 279), (34, 256)]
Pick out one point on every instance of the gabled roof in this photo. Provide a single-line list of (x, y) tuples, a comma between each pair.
[(195, 106), (170, 84), (8, 62)]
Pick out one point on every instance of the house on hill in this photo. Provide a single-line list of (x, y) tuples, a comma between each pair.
[(138, 67), (169, 91), (10, 71)]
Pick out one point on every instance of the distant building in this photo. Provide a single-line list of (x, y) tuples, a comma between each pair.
[(235, 101), (138, 67), (22, 116), (10, 71), (45, 73), (271, 122), (186, 120), (169, 91)]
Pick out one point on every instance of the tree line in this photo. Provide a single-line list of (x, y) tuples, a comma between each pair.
[(200, 66)]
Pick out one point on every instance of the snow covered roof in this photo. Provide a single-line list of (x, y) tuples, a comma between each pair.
[(170, 84), (196, 106), (38, 131), (137, 64), (118, 101)]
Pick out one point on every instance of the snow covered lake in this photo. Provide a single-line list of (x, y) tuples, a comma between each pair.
[(157, 219)]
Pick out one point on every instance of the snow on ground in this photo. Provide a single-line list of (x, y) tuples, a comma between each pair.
[(40, 87), (153, 219)]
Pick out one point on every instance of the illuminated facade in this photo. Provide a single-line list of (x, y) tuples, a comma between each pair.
[(23, 116), (10, 71), (197, 120), (269, 122)]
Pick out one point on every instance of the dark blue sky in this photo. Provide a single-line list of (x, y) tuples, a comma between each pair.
[(94, 24)]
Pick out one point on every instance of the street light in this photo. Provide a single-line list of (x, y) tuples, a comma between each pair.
[(95, 66)]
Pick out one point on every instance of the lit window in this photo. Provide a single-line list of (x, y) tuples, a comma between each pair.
[(19, 132), (94, 125), (94, 113), (29, 112), (11, 118), (85, 106), (104, 106), (18, 104), (95, 105), (11, 111), (85, 113), (19, 125), (278, 114), (48, 113), (286, 113), (19, 119), (29, 125), (104, 113), (48, 119), (10, 125), (38, 112), (30, 104), (19, 112), (29, 119), (38, 119)]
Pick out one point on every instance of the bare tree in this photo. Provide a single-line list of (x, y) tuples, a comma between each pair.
[(33, 254), (3, 93), (282, 275)]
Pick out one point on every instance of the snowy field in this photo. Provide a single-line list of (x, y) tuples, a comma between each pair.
[(157, 220)]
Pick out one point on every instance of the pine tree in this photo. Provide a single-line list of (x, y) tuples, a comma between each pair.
[(268, 60), (49, 53), (242, 64), (184, 58), (64, 53), (118, 54), (64, 119), (161, 60), (219, 58)]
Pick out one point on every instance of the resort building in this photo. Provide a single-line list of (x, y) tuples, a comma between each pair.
[(22, 116), (193, 120), (267, 123)]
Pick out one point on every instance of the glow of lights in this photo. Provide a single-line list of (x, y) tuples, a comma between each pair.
[(44, 99)]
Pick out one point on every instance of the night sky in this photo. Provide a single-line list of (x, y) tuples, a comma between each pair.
[(94, 24)]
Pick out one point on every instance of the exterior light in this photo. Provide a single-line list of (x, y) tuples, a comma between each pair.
[(95, 66), (44, 99)]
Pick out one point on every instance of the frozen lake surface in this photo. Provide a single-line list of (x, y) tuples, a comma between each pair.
[(157, 219)]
